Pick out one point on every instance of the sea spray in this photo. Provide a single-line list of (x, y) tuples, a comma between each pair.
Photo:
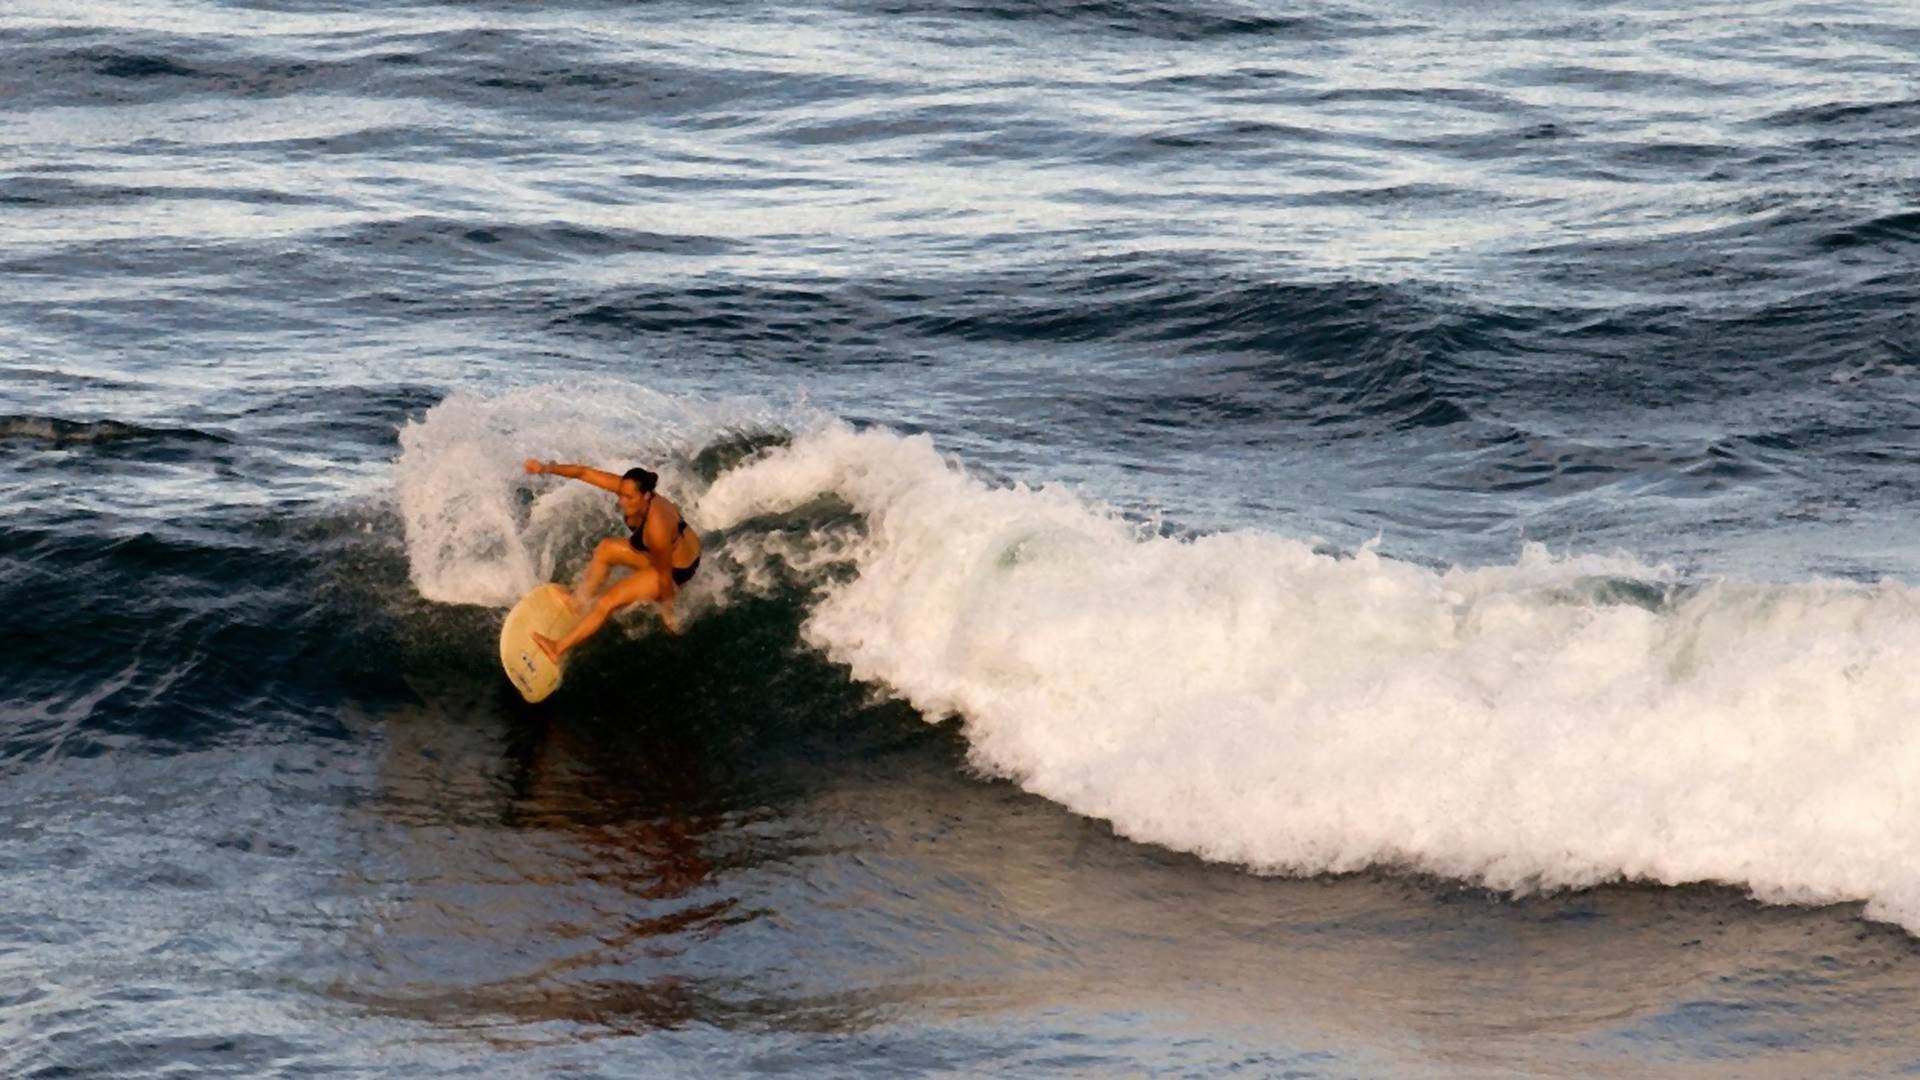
[(479, 530)]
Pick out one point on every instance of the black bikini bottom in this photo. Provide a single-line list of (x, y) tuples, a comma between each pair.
[(681, 575)]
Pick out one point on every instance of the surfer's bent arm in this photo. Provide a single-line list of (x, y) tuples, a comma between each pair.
[(599, 478)]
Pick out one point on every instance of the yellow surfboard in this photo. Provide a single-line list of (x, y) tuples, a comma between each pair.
[(544, 611)]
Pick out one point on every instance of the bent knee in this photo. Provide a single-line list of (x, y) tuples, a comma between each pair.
[(610, 548), (640, 587)]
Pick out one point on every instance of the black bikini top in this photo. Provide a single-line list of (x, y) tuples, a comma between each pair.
[(639, 539)]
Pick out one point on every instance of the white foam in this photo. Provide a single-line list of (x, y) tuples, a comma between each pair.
[(1244, 698), (481, 531)]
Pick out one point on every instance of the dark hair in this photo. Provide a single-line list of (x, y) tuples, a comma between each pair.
[(642, 477)]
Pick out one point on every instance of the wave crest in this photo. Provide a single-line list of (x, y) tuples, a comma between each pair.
[(1248, 698)]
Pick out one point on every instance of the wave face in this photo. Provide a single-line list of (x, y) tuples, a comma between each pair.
[(1255, 698)]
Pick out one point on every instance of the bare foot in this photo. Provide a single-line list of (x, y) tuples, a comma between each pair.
[(547, 646)]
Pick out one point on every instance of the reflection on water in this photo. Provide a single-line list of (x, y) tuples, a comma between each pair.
[(543, 880), (583, 895), (532, 880)]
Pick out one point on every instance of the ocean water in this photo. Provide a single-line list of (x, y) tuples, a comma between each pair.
[(1335, 539)]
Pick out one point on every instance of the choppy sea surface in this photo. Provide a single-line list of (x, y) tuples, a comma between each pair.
[(1331, 539)]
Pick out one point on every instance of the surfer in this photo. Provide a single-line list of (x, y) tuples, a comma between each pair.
[(662, 552)]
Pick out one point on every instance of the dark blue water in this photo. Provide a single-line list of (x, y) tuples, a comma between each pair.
[(1330, 539)]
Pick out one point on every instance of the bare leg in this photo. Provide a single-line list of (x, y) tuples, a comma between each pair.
[(608, 554), (547, 645), (641, 585), (582, 630)]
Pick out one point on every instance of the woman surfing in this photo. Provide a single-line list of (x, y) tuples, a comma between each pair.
[(662, 552)]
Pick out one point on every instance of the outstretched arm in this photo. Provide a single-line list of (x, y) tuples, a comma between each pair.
[(599, 478)]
